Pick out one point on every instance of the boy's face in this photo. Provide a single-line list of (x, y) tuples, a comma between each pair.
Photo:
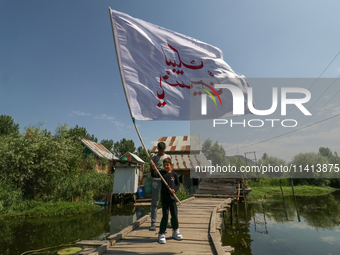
[(167, 167)]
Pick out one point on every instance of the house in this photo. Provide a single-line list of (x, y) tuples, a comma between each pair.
[(99, 152), (133, 159), (185, 152)]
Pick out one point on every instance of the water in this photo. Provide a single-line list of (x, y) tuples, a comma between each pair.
[(271, 227), (20, 234), (268, 227)]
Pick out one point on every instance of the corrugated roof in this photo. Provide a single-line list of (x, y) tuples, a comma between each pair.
[(139, 160), (98, 149), (179, 144), (184, 162)]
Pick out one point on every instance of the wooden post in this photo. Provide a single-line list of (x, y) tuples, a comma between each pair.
[(231, 214), (244, 193), (237, 209), (254, 219), (283, 199), (245, 199), (264, 217), (297, 211)]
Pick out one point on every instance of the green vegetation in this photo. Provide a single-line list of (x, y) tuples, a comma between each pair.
[(182, 194), (41, 173), (45, 175), (214, 152), (323, 180), (69, 251), (266, 188), (123, 146), (48, 209)]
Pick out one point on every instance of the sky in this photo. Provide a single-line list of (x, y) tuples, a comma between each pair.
[(58, 65)]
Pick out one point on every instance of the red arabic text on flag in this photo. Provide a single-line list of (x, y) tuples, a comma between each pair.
[(163, 70)]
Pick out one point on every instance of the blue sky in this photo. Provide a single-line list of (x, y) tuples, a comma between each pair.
[(58, 63)]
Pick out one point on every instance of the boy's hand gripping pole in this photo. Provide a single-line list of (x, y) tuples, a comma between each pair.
[(166, 184)]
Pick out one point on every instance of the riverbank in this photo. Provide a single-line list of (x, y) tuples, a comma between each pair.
[(49, 209), (265, 192), (56, 209)]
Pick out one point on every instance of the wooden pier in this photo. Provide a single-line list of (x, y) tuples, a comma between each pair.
[(199, 221)]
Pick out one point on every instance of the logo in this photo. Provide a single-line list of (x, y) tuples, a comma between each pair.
[(238, 98)]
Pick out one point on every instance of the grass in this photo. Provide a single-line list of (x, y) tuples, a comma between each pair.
[(51, 209), (182, 194), (57, 209), (264, 192)]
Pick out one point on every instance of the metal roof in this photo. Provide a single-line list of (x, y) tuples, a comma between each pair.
[(98, 149), (185, 162), (179, 144), (138, 159)]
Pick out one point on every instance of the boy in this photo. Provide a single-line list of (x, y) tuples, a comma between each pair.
[(169, 202), (156, 182)]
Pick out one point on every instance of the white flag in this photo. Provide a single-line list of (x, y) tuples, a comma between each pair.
[(162, 71)]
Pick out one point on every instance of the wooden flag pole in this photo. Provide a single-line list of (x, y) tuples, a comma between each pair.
[(133, 119), (140, 138)]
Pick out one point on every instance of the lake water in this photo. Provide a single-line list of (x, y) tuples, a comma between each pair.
[(20, 235), (311, 225), (267, 227)]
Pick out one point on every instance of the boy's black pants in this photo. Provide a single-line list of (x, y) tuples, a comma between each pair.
[(166, 206)]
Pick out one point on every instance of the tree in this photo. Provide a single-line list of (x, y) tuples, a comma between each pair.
[(108, 144), (142, 154), (333, 158), (214, 152), (123, 146), (7, 125), (305, 162), (82, 133), (38, 162), (272, 161), (326, 152)]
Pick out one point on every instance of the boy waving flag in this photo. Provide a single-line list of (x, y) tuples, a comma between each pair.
[(166, 74)]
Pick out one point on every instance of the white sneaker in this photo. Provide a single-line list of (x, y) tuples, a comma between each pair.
[(177, 235), (161, 238)]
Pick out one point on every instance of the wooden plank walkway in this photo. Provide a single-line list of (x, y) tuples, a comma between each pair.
[(194, 218)]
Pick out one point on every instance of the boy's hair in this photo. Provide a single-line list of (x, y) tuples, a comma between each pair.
[(161, 145), (167, 160)]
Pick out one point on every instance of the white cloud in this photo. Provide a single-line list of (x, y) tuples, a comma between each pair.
[(104, 116), (331, 240), (119, 124), (79, 113), (329, 110)]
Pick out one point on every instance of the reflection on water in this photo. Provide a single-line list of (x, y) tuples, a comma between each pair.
[(273, 227), (20, 235)]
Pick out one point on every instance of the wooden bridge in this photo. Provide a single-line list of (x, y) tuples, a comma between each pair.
[(200, 222)]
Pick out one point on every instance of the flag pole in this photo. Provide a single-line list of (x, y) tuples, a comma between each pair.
[(133, 119)]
